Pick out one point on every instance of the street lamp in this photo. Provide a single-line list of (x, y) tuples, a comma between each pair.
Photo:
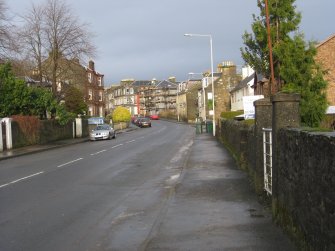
[(203, 94), (211, 48)]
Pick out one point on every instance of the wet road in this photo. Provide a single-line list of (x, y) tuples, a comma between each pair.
[(159, 188)]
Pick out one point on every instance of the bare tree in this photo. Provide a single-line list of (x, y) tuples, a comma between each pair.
[(31, 37), (7, 42), (53, 36), (66, 37)]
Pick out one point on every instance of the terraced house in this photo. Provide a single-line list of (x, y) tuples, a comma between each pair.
[(94, 91), (144, 97)]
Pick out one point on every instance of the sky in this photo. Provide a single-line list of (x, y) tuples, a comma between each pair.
[(144, 39)]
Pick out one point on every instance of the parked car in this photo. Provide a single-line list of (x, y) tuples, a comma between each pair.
[(102, 132), (144, 122), (154, 117)]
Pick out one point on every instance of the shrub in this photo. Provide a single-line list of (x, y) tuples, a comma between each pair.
[(29, 126), (121, 114)]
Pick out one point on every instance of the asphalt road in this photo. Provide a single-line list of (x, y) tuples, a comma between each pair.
[(104, 195)]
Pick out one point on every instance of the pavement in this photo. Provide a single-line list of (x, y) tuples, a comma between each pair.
[(51, 145), (213, 206)]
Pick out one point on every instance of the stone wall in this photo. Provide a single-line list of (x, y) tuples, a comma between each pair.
[(240, 139), (304, 200), (303, 194), (24, 133), (306, 182)]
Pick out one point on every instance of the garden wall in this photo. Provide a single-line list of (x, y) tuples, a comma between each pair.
[(303, 195), (27, 130), (306, 182)]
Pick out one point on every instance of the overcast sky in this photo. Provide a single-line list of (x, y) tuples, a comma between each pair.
[(143, 39)]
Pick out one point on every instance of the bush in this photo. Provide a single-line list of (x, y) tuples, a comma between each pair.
[(121, 114), (28, 129)]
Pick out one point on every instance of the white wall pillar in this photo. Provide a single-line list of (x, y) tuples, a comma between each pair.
[(9, 136), (79, 127), (1, 139)]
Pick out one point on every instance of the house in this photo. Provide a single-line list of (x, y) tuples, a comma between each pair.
[(164, 97), (242, 89), (109, 99), (225, 80), (145, 97), (94, 91), (72, 73), (261, 85), (326, 57), (187, 100)]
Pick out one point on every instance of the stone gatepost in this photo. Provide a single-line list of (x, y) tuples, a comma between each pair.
[(8, 132), (286, 113), (263, 119), (79, 128), (1, 139)]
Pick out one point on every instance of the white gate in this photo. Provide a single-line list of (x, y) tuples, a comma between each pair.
[(267, 159)]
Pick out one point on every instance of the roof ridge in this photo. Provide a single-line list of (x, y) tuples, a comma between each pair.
[(325, 41)]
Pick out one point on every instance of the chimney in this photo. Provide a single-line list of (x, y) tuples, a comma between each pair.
[(91, 65), (172, 79)]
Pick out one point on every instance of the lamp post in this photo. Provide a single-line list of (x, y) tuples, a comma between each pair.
[(212, 73)]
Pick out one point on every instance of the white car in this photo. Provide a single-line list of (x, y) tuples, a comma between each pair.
[(102, 132)]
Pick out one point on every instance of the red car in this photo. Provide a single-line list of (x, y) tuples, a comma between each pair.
[(154, 117)]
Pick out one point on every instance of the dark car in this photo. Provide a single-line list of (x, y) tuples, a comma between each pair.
[(144, 122), (102, 132)]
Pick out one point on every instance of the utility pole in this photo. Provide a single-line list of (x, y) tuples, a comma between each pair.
[(272, 81)]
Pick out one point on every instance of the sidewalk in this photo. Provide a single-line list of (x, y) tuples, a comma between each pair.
[(214, 207), (40, 148)]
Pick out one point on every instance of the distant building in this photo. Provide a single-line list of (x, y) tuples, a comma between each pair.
[(144, 97), (242, 89), (188, 100)]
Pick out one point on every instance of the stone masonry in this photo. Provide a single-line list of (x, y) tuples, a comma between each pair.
[(326, 57)]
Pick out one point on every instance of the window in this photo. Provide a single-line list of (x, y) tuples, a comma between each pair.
[(100, 96), (90, 77), (99, 81), (90, 94)]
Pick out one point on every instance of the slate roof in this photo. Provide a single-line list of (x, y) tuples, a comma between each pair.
[(166, 84), (243, 83), (142, 83)]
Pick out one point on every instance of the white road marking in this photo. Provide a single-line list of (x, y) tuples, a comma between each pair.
[(70, 162), (18, 180), (117, 146), (98, 152), (130, 141)]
